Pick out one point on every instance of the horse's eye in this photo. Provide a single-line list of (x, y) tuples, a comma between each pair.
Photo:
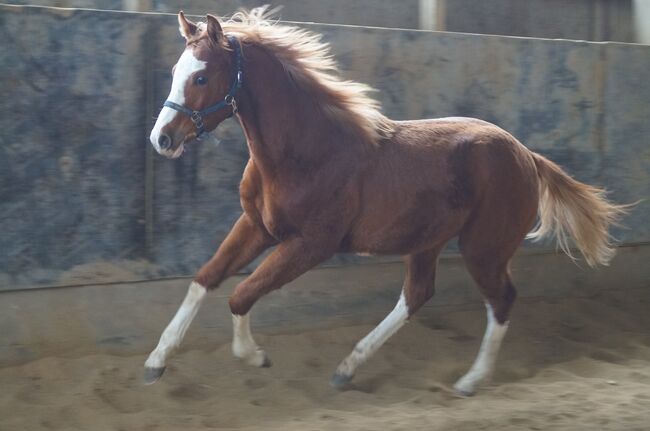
[(201, 80)]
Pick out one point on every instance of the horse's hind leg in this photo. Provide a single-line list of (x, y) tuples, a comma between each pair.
[(418, 289), (497, 307), (489, 266)]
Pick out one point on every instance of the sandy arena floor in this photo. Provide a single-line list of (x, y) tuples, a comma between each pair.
[(572, 364)]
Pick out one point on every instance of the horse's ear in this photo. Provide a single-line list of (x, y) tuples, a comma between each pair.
[(214, 28), (185, 26)]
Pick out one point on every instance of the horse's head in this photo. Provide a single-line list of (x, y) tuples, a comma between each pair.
[(205, 80)]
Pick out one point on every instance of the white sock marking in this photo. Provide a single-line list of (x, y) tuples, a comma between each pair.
[(485, 362), (243, 344), (175, 331), (187, 65), (374, 340)]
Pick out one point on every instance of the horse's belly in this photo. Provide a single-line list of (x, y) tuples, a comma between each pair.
[(405, 232)]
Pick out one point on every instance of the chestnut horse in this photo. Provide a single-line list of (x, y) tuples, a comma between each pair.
[(328, 173)]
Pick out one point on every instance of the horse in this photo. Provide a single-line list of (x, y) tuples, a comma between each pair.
[(328, 173)]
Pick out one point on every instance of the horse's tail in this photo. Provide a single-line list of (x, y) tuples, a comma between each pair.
[(570, 208)]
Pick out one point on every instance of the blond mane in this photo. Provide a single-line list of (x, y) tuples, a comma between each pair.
[(309, 63)]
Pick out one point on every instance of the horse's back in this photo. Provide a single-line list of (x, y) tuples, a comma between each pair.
[(473, 151)]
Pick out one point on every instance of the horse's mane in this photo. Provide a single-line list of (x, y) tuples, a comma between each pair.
[(308, 62)]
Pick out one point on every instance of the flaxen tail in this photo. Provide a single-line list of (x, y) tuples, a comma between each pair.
[(569, 208)]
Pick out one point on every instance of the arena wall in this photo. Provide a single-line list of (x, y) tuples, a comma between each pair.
[(85, 199)]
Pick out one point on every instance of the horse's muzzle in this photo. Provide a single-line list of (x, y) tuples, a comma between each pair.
[(165, 145)]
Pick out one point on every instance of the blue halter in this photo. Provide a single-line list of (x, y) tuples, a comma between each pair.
[(228, 100)]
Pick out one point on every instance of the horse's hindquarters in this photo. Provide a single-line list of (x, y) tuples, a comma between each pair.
[(435, 178)]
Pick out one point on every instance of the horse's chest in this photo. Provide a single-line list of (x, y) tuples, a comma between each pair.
[(257, 200), (285, 207), (275, 218), (277, 222)]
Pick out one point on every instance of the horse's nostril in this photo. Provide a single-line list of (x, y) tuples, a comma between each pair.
[(164, 142)]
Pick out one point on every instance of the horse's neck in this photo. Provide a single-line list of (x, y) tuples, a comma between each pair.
[(282, 126)]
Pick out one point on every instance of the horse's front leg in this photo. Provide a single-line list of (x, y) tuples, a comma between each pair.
[(289, 260), (244, 243), (244, 346)]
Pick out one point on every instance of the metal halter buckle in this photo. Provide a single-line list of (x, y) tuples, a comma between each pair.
[(197, 119), (230, 100)]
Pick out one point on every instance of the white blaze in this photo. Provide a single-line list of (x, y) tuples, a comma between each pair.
[(187, 65)]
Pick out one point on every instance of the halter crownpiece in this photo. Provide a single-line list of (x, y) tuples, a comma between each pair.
[(228, 100)]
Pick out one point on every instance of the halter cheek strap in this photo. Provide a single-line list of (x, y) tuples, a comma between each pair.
[(228, 100)]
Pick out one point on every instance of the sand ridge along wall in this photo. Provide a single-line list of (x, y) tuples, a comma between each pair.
[(83, 198)]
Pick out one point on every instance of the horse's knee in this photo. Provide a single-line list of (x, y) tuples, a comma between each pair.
[(241, 301)]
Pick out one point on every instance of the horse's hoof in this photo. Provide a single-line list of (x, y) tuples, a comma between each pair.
[(266, 363), (260, 359), (463, 391), (152, 375), (340, 380)]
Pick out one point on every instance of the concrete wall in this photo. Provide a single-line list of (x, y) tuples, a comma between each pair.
[(71, 150), (641, 14), (84, 199), (377, 13), (595, 20)]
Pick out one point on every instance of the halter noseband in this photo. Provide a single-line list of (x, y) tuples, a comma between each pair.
[(228, 100)]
